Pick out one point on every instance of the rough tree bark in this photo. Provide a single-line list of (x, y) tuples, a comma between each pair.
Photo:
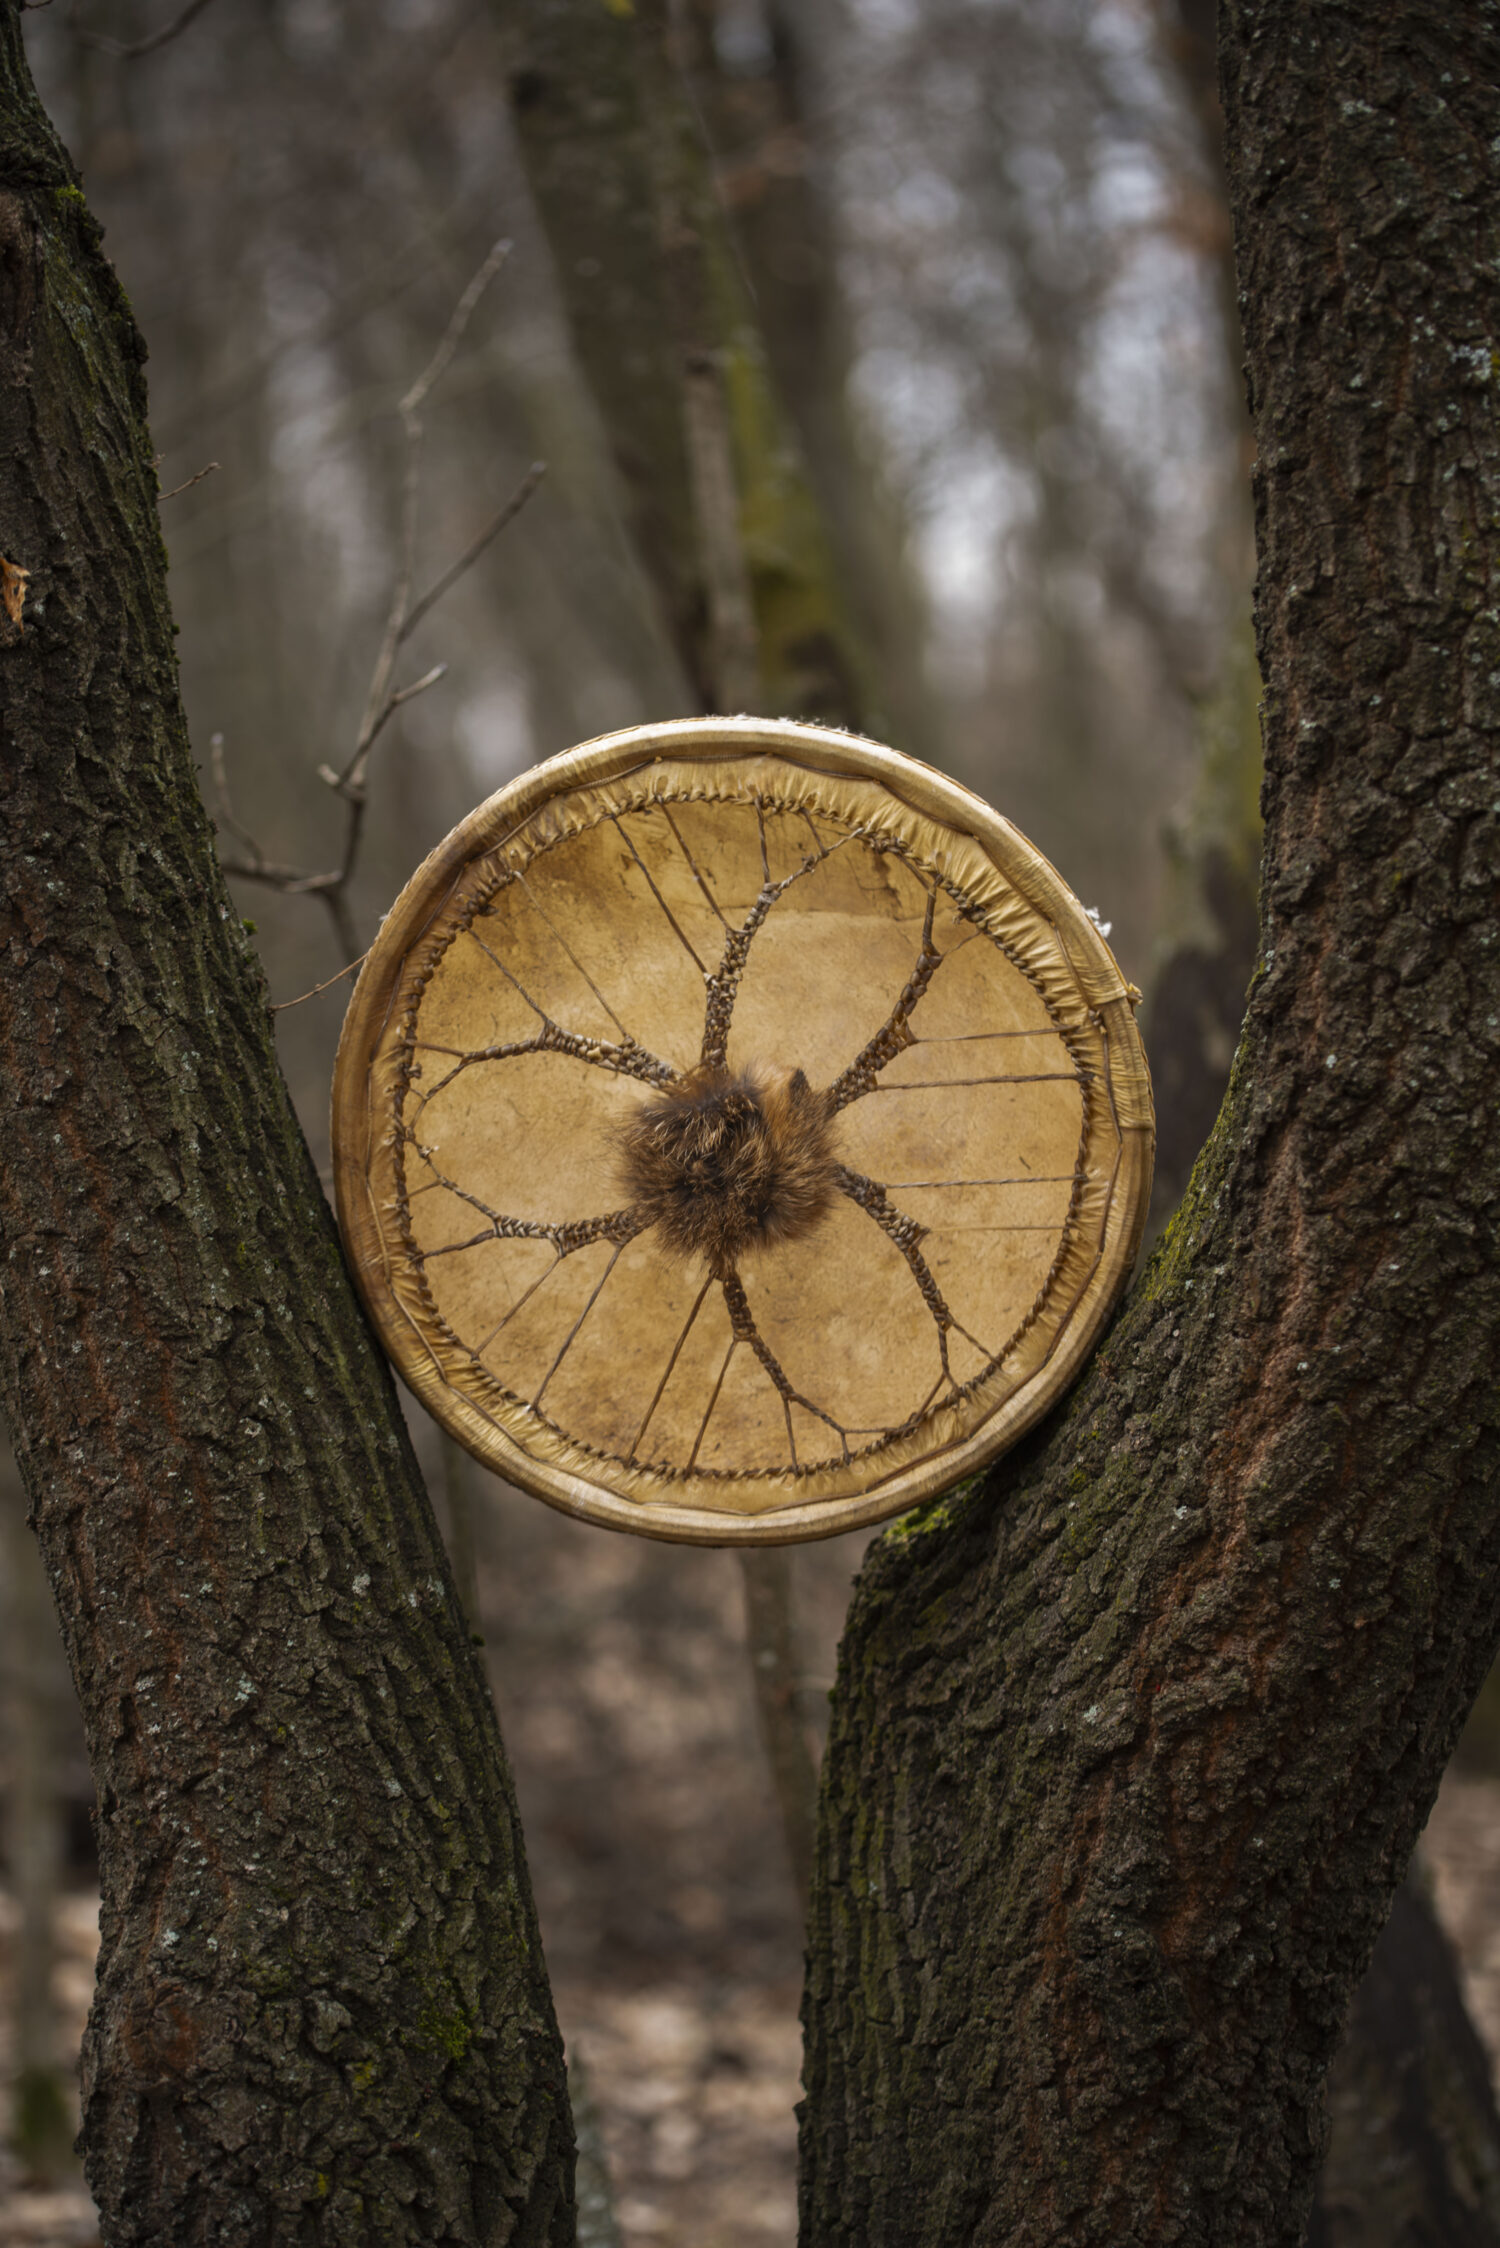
[(322, 2012), (1131, 1744), (1414, 2132)]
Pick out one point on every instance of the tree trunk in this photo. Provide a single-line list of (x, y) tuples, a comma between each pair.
[(1131, 1743), (776, 1675), (322, 2012), (769, 144), (719, 509), (1414, 2140), (1415, 2137)]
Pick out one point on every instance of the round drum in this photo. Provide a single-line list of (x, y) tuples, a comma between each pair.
[(740, 1132)]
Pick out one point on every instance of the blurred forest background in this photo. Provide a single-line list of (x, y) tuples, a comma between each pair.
[(984, 268)]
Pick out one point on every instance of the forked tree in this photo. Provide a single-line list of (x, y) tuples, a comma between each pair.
[(1130, 1744)]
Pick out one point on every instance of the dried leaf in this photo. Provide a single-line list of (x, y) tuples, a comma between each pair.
[(13, 582)]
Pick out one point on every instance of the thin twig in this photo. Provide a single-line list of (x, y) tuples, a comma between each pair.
[(296, 881), (336, 898), (282, 1005), (472, 552), (187, 487), (225, 807), (351, 780), (453, 334), (344, 782), (125, 50)]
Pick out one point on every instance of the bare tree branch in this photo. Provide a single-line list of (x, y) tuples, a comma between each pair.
[(327, 984), (292, 881), (224, 808), (382, 700), (187, 487), (453, 335), (125, 50), (352, 778), (353, 775), (472, 552)]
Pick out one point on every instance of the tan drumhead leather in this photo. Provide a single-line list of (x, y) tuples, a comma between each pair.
[(740, 1132)]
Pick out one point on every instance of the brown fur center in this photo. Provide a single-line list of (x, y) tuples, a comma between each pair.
[(724, 1164)]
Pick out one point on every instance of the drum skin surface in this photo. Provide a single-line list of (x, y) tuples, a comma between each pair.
[(740, 1132)]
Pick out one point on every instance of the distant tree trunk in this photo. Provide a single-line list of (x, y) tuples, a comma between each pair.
[(41, 2123), (322, 2012), (598, 2226), (1131, 1745), (776, 1670), (1197, 997), (770, 139), (720, 509), (1414, 2141)]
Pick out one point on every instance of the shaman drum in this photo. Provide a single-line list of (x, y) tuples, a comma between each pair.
[(740, 1132)]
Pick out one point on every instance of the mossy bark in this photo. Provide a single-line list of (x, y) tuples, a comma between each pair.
[(322, 2013), (1131, 1745)]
